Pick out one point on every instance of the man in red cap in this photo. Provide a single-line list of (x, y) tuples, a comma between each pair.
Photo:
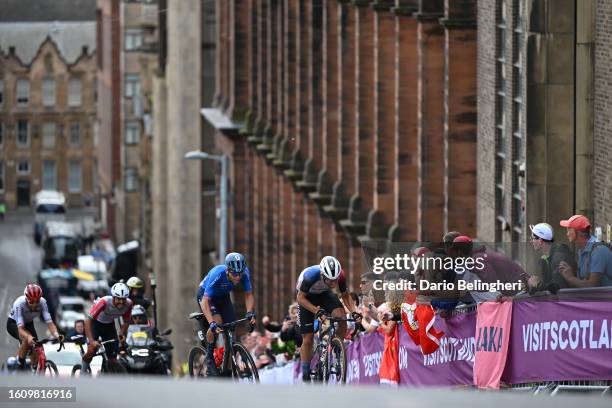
[(594, 259)]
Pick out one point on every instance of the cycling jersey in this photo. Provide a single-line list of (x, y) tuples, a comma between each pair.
[(311, 281), (217, 284), (22, 314), (105, 312)]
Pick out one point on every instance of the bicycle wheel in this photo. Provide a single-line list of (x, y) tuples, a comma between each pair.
[(243, 366), (197, 362), (51, 369), (335, 365)]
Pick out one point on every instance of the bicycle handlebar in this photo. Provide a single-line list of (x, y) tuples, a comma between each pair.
[(41, 342), (231, 325)]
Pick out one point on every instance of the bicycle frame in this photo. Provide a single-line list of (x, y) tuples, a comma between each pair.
[(229, 340), (40, 354), (322, 348)]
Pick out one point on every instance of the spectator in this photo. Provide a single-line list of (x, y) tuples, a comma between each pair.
[(552, 254), (289, 331), (594, 258), (369, 320), (78, 329), (389, 364), (491, 267), (273, 327)]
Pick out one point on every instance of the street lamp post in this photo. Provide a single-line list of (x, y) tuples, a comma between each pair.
[(199, 155)]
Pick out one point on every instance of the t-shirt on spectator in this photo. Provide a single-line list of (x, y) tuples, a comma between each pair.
[(595, 258)]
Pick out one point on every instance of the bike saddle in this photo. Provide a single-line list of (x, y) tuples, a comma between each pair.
[(196, 315)]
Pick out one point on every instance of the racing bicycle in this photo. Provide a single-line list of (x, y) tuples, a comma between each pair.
[(43, 366), (108, 366), (236, 362), (329, 356)]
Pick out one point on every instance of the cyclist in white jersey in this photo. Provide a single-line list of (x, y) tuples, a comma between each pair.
[(20, 323), (100, 322)]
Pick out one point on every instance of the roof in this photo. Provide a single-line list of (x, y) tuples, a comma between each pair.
[(69, 37), (47, 10)]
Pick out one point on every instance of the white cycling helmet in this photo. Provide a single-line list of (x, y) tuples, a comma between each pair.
[(330, 267), (120, 290)]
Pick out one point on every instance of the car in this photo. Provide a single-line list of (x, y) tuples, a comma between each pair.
[(97, 268), (66, 358), (69, 310), (61, 245), (49, 206)]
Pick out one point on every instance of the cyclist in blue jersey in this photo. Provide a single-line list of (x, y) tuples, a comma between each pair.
[(316, 301), (214, 300)]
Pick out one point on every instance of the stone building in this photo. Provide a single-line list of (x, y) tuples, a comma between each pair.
[(357, 127), (126, 61), (543, 85), (47, 101)]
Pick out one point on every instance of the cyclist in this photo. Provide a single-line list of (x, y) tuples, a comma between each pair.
[(20, 323), (316, 300), (136, 286), (213, 297), (100, 322)]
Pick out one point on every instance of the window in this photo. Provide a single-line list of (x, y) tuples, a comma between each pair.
[(74, 176), (48, 135), (48, 86), (23, 92), (23, 167), (75, 134), (132, 133), (49, 178), (500, 123), (1, 177), (74, 92), (132, 85), (133, 39), (23, 133), (1, 92), (1, 134), (131, 179)]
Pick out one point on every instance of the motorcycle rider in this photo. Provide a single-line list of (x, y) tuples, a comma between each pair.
[(136, 286)]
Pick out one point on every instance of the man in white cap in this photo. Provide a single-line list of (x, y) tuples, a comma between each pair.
[(552, 254)]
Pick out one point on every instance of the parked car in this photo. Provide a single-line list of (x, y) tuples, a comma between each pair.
[(97, 268), (69, 310), (68, 357), (49, 205)]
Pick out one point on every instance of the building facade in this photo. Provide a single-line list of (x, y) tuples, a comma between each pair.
[(543, 115), (48, 105), (126, 61), (358, 129)]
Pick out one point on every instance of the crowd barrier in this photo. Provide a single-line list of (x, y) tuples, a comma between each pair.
[(558, 339)]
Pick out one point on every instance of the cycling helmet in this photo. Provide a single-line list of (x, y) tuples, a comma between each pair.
[(135, 283), (120, 290), (235, 262), (33, 292), (330, 267), (139, 311)]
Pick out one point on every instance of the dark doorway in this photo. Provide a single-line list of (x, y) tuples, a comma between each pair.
[(23, 193)]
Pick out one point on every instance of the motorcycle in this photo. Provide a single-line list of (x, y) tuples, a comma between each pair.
[(146, 351)]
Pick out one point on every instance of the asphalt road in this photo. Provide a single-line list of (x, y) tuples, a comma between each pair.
[(19, 262), (157, 392)]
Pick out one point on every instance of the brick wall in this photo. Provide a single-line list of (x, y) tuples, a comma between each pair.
[(602, 160)]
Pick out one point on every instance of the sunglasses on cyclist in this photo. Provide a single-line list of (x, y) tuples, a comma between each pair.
[(234, 273)]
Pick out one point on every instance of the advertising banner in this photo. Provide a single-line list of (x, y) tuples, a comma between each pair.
[(492, 336)]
